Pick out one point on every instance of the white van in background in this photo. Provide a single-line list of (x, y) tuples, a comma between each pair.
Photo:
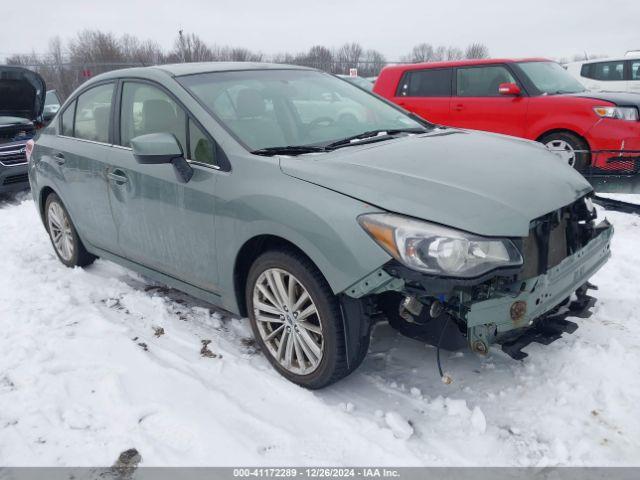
[(609, 74)]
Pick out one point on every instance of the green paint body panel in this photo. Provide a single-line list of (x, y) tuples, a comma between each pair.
[(188, 235), (478, 182)]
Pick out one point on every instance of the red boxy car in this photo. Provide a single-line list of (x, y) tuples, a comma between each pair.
[(531, 98)]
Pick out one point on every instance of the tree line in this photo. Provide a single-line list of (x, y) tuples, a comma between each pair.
[(65, 66)]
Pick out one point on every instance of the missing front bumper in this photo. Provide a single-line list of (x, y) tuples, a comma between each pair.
[(493, 320), (548, 328)]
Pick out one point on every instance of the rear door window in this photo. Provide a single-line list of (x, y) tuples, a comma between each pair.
[(426, 83), (93, 114), (604, 71), (482, 81)]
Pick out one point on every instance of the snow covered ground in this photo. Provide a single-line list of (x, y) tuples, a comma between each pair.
[(96, 361)]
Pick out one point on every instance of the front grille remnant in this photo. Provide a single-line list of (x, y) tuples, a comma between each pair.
[(555, 236)]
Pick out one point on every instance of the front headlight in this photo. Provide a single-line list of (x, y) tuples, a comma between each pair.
[(438, 250), (620, 113)]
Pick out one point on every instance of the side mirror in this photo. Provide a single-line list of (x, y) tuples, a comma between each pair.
[(159, 148), (509, 89), (47, 116)]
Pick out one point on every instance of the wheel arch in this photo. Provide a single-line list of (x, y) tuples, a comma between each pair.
[(562, 130), (249, 252), (42, 199)]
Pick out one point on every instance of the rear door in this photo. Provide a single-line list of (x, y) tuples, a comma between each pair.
[(478, 105), (634, 75), (608, 76), (427, 93), (163, 223), (80, 153)]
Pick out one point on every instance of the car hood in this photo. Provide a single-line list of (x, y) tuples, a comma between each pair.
[(22, 93), (483, 183), (620, 99)]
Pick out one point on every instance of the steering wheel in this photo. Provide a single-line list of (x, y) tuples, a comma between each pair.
[(321, 122)]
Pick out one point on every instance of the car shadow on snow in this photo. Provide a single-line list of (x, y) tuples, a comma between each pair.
[(13, 199), (395, 365)]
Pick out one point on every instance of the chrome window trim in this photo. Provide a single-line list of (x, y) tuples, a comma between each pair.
[(85, 140), (202, 164), (193, 162)]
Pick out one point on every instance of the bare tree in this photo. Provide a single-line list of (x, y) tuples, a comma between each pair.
[(372, 62), (425, 52), (95, 47), (348, 56), (24, 60), (92, 52), (319, 57), (60, 78), (244, 55), (476, 50), (454, 53), (191, 48), (422, 52), (285, 58), (144, 53)]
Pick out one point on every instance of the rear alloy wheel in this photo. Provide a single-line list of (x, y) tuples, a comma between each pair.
[(570, 148), (64, 237), (296, 319)]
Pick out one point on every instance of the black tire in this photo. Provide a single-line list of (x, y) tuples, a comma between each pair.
[(582, 160), (333, 364), (79, 256)]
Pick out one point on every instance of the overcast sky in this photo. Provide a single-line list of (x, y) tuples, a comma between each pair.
[(512, 28)]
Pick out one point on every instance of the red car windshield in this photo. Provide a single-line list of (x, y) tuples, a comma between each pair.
[(550, 78)]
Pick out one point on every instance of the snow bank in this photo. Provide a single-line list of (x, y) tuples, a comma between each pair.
[(98, 361)]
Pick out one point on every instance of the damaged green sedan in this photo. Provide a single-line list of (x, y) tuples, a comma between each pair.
[(315, 208)]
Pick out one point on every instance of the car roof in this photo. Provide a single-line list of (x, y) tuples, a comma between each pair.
[(182, 69), (463, 63), (608, 59)]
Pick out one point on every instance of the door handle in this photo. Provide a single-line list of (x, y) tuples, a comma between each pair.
[(458, 108), (59, 158), (117, 178)]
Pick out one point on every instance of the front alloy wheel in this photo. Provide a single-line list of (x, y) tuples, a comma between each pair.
[(297, 321), (288, 321)]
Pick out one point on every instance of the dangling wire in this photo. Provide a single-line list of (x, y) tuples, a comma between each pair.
[(445, 378)]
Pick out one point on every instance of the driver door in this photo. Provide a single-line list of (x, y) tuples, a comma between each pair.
[(477, 104), (163, 223)]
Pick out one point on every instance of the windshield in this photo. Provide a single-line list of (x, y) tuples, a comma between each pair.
[(52, 98), (275, 108), (550, 78)]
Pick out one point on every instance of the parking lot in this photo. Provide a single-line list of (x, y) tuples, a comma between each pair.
[(200, 394)]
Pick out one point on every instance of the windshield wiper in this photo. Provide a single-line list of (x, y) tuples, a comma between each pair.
[(288, 150), (373, 135), (565, 92)]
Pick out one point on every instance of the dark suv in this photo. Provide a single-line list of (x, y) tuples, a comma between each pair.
[(22, 99)]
